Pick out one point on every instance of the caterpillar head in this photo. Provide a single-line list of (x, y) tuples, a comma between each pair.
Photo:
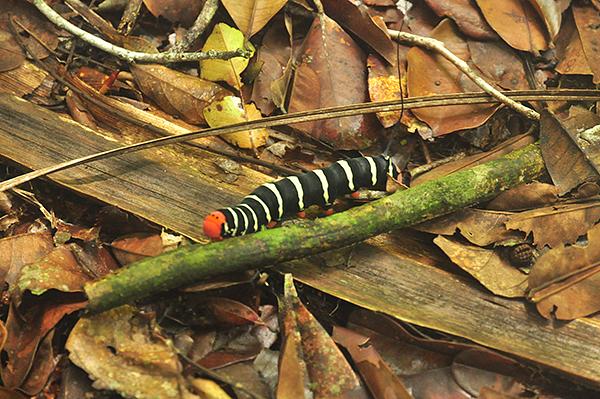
[(214, 225)]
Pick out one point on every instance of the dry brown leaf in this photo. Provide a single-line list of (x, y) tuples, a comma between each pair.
[(565, 281), (474, 160), (487, 266), (11, 56), (564, 161), (184, 11), (551, 12), (20, 250), (250, 16), (569, 50), (310, 351), (378, 376), (517, 22), (231, 312), (357, 20), (177, 93), (430, 74), (332, 71), (587, 19), (466, 15), (556, 225), (131, 249), (525, 196), (479, 226), (499, 64)]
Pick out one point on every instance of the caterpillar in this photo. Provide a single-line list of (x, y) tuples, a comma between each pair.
[(291, 195)]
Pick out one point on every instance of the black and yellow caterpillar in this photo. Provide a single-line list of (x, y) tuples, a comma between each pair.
[(291, 195)]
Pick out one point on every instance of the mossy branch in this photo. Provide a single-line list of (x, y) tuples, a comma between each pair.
[(189, 265)]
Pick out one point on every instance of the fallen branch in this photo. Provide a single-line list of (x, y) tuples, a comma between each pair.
[(439, 47), (206, 15), (128, 55), (191, 264)]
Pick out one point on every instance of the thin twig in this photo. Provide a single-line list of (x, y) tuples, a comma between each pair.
[(206, 15), (128, 55), (309, 116), (129, 17), (438, 46), (419, 170)]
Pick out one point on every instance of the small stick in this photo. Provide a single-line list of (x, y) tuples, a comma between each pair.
[(127, 55), (206, 15), (438, 46), (129, 17)]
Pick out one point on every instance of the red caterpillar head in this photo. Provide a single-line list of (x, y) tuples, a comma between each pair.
[(213, 225)]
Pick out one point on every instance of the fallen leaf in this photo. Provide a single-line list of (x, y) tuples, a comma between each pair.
[(209, 389), (499, 64), (569, 50), (11, 56), (58, 270), (565, 163), (479, 226), (476, 159), (184, 11), (384, 84), (430, 74), (43, 366), (78, 111), (20, 250), (275, 55), (556, 225), (357, 20), (230, 110), (309, 351), (225, 38), (378, 376), (118, 349), (250, 378), (232, 312), (525, 196), (551, 12), (133, 248), (517, 22), (466, 16), (565, 280), (319, 82), (252, 15), (487, 266), (177, 93), (27, 325), (587, 19)]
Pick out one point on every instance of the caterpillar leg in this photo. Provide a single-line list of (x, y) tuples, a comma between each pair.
[(301, 215), (271, 224), (328, 211)]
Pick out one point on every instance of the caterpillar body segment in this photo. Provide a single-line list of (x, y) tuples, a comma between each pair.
[(290, 196)]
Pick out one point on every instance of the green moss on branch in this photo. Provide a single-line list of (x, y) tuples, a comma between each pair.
[(189, 265)]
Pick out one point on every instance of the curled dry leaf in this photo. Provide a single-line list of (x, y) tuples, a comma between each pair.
[(332, 72), (230, 110), (487, 266), (133, 248), (551, 12), (466, 16), (184, 11), (525, 196), (556, 225), (564, 161), (309, 352), (43, 366), (569, 50), (225, 38), (252, 15), (378, 376), (357, 20), (565, 281), (232, 312), (517, 23), (177, 93), (430, 74), (479, 226), (587, 19), (209, 389), (120, 351)]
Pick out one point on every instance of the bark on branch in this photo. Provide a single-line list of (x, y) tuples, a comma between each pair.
[(189, 265)]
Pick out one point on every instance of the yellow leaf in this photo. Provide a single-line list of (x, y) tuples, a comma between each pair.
[(225, 38), (230, 110)]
